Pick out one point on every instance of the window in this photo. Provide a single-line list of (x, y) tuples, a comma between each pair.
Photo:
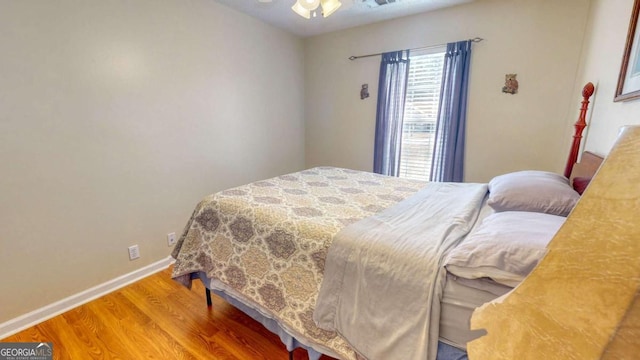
[(421, 113)]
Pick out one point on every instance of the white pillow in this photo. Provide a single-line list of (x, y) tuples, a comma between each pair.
[(505, 247), (536, 191)]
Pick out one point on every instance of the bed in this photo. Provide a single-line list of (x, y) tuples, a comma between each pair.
[(358, 265)]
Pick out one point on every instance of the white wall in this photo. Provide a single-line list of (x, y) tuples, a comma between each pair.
[(116, 118), (539, 40), (602, 57)]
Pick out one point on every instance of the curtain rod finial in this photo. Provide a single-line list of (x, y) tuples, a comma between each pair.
[(352, 58)]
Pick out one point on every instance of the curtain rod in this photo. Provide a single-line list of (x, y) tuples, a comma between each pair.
[(477, 39)]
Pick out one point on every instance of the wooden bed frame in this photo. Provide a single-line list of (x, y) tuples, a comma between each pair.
[(587, 167)]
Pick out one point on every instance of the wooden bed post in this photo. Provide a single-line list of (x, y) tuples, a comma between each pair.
[(587, 91)]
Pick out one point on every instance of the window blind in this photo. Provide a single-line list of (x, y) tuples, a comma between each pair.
[(420, 114)]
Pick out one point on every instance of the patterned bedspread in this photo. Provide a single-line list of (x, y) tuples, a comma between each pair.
[(268, 240)]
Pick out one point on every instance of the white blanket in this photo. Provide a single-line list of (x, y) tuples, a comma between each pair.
[(384, 277)]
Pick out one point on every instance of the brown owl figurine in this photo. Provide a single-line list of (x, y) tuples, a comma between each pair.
[(510, 84)]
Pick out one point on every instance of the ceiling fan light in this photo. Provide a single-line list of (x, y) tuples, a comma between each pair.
[(300, 10), (330, 6), (308, 4)]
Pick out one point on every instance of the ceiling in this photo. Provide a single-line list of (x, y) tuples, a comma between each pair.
[(352, 13)]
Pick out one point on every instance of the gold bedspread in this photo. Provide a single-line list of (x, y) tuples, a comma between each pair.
[(268, 240)]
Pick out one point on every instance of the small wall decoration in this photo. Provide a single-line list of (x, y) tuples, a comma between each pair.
[(510, 84), (629, 78), (364, 92)]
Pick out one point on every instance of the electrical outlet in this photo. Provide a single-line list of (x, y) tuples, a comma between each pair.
[(171, 239), (134, 252)]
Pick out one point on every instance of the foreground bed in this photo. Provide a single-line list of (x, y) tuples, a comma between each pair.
[(373, 260), (264, 244)]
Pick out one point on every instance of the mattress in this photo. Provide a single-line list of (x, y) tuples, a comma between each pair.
[(461, 297)]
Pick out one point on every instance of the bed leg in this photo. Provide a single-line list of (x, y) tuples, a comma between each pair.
[(291, 355), (208, 292)]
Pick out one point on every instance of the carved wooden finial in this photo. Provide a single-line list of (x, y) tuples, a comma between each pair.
[(588, 90)]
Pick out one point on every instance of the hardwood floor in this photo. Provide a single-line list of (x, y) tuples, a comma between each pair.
[(157, 318)]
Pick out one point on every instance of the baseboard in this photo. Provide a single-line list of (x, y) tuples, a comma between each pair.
[(25, 321)]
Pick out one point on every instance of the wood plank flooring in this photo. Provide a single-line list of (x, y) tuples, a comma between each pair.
[(157, 318)]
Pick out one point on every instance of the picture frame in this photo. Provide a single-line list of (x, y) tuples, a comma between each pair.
[(629, 79)]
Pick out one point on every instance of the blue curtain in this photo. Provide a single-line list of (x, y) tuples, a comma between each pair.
[(392, 90), (448, 154)]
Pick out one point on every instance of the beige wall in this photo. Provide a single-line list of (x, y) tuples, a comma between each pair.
[(116, 118), (601, 59), (539, 40)]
